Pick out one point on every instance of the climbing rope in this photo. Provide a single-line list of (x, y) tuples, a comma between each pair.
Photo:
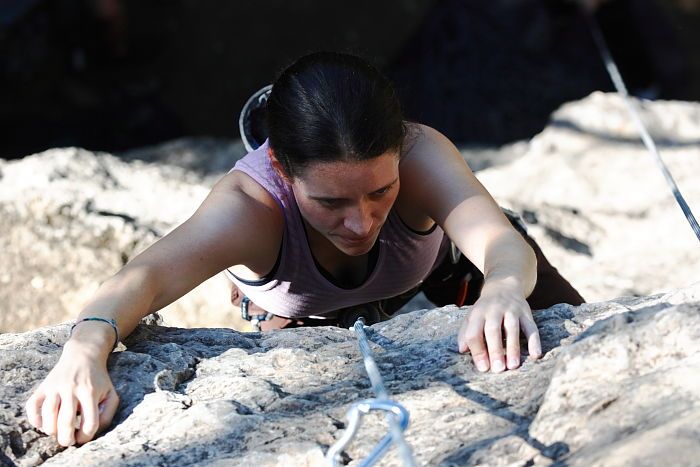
[(397, 415), (632, 106)]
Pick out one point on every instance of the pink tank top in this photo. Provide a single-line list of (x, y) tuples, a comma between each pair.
[(295, 288)]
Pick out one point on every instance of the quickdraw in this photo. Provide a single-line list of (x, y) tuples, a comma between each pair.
[(397, 415)]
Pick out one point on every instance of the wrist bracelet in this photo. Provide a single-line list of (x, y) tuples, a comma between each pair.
[(110, 321)]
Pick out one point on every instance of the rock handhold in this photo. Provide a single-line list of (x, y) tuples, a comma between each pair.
[(617, 385)]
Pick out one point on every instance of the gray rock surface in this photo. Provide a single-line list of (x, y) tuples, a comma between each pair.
[(618, 385), (597, 203), (70, 219)]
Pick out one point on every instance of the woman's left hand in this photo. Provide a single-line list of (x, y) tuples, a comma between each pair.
[(500, 307)]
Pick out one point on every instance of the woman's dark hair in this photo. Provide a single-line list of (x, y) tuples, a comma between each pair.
[(332, 106)]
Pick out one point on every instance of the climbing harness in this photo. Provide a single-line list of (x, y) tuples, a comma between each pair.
[(632, 106), (397, 415)]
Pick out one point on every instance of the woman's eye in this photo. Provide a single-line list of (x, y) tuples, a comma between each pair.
[(328, 203), (382, 191)]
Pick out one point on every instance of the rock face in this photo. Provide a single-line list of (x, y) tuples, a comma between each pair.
[(598, 205), (70, 219), (618, 385)]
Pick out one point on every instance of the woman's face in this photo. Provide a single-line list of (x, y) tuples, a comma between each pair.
[(348, 202)]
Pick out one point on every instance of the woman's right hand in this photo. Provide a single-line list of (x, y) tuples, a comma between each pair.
[(78, 384)]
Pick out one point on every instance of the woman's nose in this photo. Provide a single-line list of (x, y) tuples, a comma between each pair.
[(359, 221)]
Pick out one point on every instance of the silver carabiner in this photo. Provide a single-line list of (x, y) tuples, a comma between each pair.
[(355, 414)]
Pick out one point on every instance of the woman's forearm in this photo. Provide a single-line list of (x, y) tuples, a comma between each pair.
[(510, 261), (125, 297)]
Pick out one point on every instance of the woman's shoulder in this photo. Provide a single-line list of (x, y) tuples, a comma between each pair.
[(426, 168), (421, 139), (414, 131), (260, 214), (419, 146), (260, 198)]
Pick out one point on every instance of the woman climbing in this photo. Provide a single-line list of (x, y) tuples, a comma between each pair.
[(345, 210)]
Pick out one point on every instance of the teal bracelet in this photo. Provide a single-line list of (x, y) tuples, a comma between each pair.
[(110, 321)]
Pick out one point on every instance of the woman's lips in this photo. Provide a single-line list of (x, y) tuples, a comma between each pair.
[(356, 240), (359, 240)]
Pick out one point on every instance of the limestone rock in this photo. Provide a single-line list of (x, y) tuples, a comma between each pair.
[(618, 385), (70, 219), (597, 203)]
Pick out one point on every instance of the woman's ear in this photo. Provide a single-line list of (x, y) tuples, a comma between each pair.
[(277, 166)]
